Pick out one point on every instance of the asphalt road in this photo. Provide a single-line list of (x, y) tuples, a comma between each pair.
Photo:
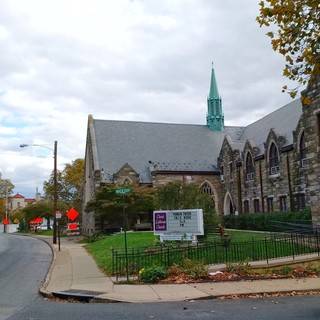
[(290, 308), (24, 262)]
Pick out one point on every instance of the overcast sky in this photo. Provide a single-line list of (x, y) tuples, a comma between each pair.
[(150, 60)]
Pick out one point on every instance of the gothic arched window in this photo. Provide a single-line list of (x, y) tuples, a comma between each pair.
[(249, 167), (302, 149), (127, 181), (273, 159), (206, 188)]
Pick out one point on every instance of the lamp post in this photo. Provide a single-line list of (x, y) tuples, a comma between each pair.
[(55, 184), (5, 203)]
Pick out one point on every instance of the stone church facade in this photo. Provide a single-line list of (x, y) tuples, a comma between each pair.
[(269, 165)]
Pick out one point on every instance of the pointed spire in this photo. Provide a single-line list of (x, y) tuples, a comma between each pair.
[(215, 117), (213, 94)]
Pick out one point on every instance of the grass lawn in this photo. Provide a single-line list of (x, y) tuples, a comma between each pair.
[(43, 232), (101, 249), (244, 235)]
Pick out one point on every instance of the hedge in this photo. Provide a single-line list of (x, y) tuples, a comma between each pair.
[(268, 221)]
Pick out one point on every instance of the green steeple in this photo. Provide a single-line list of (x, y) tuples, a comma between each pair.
[(215, 118)]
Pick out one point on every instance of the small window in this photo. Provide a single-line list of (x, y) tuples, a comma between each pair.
[(206, 188), (270, 204), (300, 201), (231, 169), (256, 204), (283, 203), (273, 160), (246, 207), (249, 167), (127, 181), (302, 151)]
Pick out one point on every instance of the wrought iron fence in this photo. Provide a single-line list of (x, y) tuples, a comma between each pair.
[(218, 251)]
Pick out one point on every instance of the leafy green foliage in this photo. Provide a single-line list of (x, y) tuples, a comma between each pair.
[(69, 184), (152, 274), (176, 195), (42, 209), (265, 221), (194, 269), (108, 205), (241, 267), (297, 36)]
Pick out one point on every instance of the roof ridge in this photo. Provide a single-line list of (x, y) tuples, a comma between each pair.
[(153, 122), (267, 115)]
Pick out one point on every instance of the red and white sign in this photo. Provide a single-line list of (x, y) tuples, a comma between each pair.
[(72, 214), (73, 226), (37, 220), (58, 215)]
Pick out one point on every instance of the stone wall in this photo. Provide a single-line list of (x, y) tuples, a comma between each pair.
[(311, 122)]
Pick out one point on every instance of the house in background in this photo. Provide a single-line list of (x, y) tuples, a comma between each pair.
[(18, 201)]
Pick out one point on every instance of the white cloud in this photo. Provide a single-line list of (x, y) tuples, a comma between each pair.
[(136, 60)]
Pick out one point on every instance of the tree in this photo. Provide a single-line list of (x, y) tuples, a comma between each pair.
[(43, 209), (176, 195), (297, 37), (108, 205), (6, 189), (69, 184)]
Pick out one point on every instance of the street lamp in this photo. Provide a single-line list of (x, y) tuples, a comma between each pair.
[(55, 189)]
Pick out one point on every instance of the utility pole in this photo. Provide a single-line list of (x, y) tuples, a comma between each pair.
[(6, 204), (55, 193)]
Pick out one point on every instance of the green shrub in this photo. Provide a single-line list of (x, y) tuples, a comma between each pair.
[(194, 269), (285, 270), (265, 221), (242, 267), (152, 274)]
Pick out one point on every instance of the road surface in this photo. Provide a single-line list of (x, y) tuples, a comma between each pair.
[(24, 262), (23, 265)]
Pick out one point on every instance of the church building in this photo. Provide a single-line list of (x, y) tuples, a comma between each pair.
[(269, 165)]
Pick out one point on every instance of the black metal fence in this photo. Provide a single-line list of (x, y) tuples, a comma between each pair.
[(218, 251)]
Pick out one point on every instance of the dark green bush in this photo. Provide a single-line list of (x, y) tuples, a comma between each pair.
[(152, 274), (266, 221)]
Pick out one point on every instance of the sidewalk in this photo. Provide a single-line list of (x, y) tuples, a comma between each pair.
[(74, 273)]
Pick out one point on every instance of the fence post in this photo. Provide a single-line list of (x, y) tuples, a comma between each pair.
[(168, 257), (292, 244), (317, 237), (266, 248), (112, 250)]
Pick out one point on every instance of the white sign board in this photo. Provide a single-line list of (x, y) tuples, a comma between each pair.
[(178, 222)]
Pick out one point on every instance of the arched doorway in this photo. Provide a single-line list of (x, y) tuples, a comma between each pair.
[(228, 207)]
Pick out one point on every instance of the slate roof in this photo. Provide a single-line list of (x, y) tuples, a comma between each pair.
[(183, 147), (283, 121), (149, 147)]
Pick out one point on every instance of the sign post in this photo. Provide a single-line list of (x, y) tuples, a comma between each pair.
[(58, 217), (123, 192)]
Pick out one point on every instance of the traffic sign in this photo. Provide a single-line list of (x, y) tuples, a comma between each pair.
[(5, 221), (123, 190), (58, 215), (72, 214)]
